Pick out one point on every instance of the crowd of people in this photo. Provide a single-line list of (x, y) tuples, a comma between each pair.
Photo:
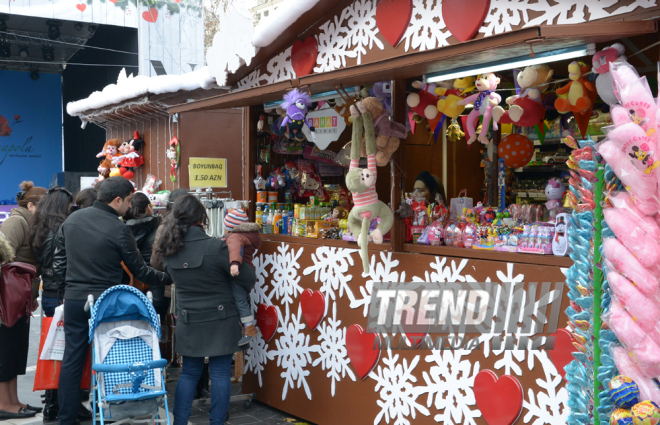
[(109, 235)]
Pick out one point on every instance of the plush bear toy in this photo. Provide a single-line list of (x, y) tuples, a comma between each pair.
[(388, 133), (484, 102), (423, 103), (526, 109), (580, 92), (449, 105), (601, 62)]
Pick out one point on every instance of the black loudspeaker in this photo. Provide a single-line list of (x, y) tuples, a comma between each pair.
[(70, 180)]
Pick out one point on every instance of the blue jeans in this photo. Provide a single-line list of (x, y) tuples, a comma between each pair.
[(242, 301), (48, 305), (220, 372)]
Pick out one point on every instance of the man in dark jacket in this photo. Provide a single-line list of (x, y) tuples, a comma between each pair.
[(90, 247)]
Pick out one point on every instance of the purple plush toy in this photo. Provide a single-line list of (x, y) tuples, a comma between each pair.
[(296, 104)]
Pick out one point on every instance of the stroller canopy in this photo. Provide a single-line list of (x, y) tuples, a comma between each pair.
[(122, 302)]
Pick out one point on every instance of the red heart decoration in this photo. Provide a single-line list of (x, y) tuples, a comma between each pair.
[(150, 15), (462, 24), (393, 18), (313, 307), (303, 56), (81, 7), (360, 348), (499, 400), (114, 1), (562, 353), (267, 319)]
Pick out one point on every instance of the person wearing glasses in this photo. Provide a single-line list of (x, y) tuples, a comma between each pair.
[(14, 341)]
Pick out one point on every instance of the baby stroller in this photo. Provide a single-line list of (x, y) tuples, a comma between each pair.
[(128, 381)]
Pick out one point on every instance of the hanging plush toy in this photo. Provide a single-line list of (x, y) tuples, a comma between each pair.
[(423, 103), (296, 104), (173, 155), (454, 132), (581, 93), (526, 109), (484, 102), (362, 184), (388, 133), (130, 158), (604, 81), (110, 151), (449, 105)]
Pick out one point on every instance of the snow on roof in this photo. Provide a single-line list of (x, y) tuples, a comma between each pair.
[(131, 87), (274, 25)]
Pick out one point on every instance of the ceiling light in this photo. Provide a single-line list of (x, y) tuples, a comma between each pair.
[(53, 29), (48, 53), (23, 51), (34, 74), (5, 49), (519, 62), (78, 26)]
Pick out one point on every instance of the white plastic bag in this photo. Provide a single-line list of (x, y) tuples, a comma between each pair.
[(54, 344)]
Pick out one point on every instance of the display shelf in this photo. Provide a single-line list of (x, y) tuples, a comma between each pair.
[(546, 168), (537, 196), (268, 237), (449, 251)]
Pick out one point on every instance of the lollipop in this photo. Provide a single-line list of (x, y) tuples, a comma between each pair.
[(624, 392), (621, 417), (645, 413)]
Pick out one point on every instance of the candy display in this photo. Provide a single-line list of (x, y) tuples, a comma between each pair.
[(624, 392), (645, 413)]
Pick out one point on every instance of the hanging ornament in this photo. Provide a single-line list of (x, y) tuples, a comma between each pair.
[(393, 19), (462, 24), (173, 154)]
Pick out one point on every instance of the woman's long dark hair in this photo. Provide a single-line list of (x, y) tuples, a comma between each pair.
[(51, 212), (86, 197), (173, 197), (187, 211), (139, 204)]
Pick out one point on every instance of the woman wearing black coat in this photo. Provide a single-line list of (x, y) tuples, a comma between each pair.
[(208, 324)]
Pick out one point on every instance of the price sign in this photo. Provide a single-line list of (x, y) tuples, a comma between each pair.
[(207, 172)]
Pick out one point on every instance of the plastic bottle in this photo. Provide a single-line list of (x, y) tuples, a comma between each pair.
[(277, 221), (259, 218)]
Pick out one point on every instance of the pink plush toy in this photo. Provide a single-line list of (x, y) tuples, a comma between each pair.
[(647, 388), (638, 242), (644, 311), (624, 203), (644, 352), (604, 81), (484, 102), (629, 266)]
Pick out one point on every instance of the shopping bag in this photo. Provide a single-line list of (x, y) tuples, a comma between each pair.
[(53, 348), (458, 204), (142, 287), (48, 371)]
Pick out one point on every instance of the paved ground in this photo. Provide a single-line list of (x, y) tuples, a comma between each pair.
[(258, 414)]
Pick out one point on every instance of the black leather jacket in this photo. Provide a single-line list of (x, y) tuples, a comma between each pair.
[(90, 247), (144, 229), (53, 286)]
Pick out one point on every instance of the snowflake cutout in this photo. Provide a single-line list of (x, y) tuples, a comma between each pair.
[(549, 407), (398, 396), (333, 356), (284, 276), (259, 295), (331, 267), (293, 354), (426, 25), (450, 382), (256, 357), (381, 271)]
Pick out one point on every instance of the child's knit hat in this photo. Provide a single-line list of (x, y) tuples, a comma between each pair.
[(234, 218)]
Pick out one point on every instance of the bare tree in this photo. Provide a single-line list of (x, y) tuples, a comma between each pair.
[(212, 10)]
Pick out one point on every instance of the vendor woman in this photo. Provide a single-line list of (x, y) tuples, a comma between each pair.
[(428, 186)]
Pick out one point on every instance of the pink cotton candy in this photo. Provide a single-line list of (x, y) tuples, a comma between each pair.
[(645, 353), (625, 204), (635, 94), (647, 388), (638, 242), (627, 264), (644, 311)]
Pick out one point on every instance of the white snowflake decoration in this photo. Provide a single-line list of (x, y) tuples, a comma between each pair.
[(398, 395), (379, 271), (284, 276), (259, 294), (256, 357), (293, 354), (426, 26), (449, 385), (549, 407), (331, 267), (333, 356)]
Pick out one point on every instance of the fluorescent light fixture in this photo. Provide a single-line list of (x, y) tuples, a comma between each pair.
[(352, 91), (519, 62)]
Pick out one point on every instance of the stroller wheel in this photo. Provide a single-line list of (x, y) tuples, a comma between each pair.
[(248, 404)]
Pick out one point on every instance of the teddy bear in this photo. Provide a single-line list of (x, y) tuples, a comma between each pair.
[(423, 103), (448, 104), (388, 132), (525, 109), (579, 93), (110, 151)]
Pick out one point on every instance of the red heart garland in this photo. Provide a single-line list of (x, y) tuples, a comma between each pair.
[(562, 353), (81, 7), (150, 15), (499, 400), (360, 348), (462, 24), (393, 18), (267, 320), (313, 307), (113, 1), (303, 56)]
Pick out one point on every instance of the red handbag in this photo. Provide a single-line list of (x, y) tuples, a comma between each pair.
[(15, 292)]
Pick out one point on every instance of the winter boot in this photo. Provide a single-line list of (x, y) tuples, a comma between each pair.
[(249, 332), (51, 408)]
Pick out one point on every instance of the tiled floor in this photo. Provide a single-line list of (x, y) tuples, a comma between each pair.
[(258, 413)]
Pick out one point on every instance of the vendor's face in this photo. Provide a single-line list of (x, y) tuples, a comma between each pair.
[(421, 188)]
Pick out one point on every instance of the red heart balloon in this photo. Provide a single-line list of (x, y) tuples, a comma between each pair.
[(393, 18), (303, 56), (462, 24), (313, 307), (499, 400), (562, 353), (150, 15), (360, 348), (81, 7), (267, 320)]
